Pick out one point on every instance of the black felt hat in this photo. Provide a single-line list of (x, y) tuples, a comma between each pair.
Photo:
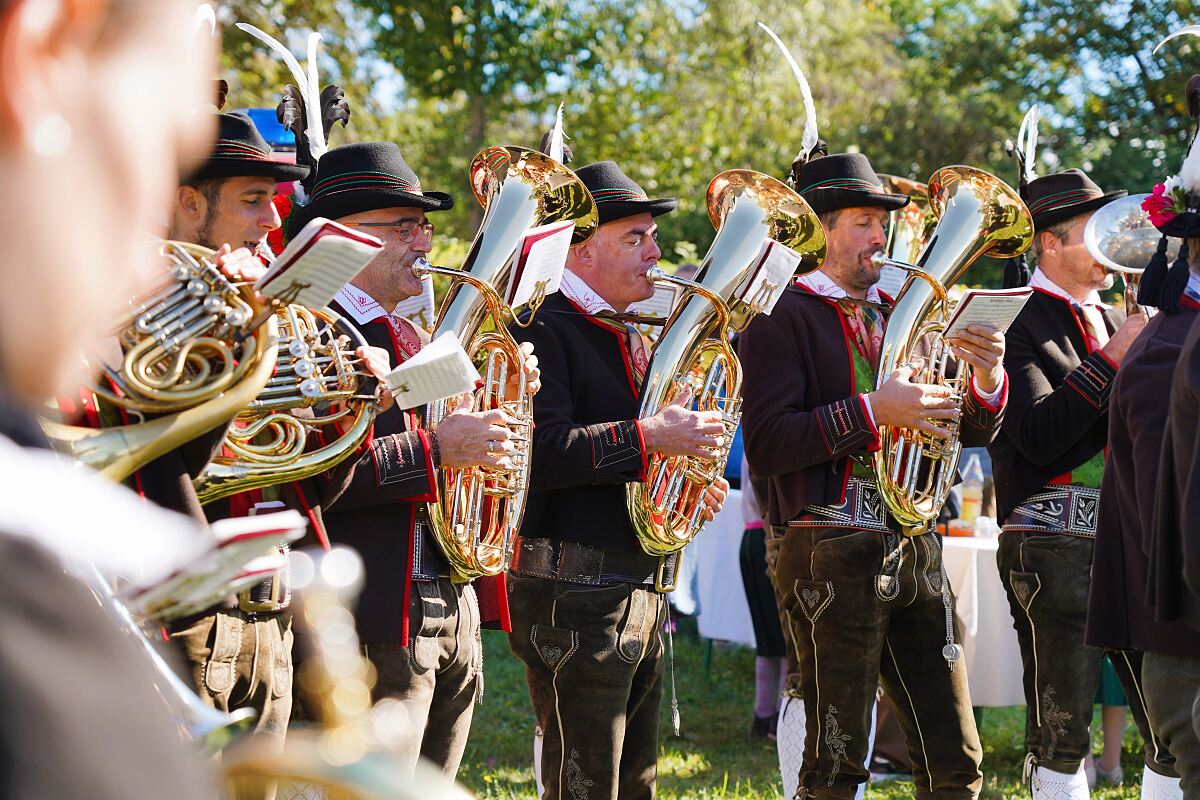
[(617, 195), (242, 152), (1055, 198), (842, 180), (363, 177)]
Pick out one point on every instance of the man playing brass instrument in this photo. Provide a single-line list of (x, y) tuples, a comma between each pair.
[(1065, 348), (586, 617), (863, 602), (419, 629)]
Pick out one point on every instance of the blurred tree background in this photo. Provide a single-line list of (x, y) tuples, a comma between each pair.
[(679, 90)]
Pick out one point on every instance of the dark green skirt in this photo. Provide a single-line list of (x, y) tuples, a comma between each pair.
[(1110, 692)]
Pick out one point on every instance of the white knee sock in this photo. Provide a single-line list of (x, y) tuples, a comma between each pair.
[(537, 759), (1159, 787), (1046, 784), (789, 743)]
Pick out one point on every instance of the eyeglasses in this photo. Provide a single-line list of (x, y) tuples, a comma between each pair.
[(406, 229)]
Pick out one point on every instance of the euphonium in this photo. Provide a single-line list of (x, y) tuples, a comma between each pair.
[(748, 209), (1121, 237), (978, 214), (315, 371), (909, 227), (186, 351), (479, 509)]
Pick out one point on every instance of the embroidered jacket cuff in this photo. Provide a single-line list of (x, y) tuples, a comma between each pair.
[(404, 464), (847, 426), (1093, 379), (980, 411), (617, 447), (993, 401)]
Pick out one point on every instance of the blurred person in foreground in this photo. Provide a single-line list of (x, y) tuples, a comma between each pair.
[(95, 100)]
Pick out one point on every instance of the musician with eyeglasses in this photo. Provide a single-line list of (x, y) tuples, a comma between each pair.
[(864, 603), (418, 627), (1064, 352), (586, 617)]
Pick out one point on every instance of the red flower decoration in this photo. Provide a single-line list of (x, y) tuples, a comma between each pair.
[(1159, 206), (283, 205)]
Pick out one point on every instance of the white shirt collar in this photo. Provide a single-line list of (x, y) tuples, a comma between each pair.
[(1040, 281), (819, 283), (578, 292), (361, 307)]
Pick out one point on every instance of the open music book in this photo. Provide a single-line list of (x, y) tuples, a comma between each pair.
[(318, 262), (659, 304), (997, 307), (540, 258), (442, 369)]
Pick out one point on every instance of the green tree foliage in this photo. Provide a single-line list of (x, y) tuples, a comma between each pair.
[(679, 90)]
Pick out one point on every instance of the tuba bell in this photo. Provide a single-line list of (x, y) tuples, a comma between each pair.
[(1120, 236), (478, 511), (978, 214), (188, 351), (748, 209), (318, 376)]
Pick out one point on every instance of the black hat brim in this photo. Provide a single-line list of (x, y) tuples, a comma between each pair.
[(343, 204), (219, 168), (825, 200), (620, 209), (1064, 213)]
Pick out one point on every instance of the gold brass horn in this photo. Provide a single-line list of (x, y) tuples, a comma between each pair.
[(909, 227), (478, 511), (186, 352), (1121, 237), (317, 386), (978, 214), (748, 209)]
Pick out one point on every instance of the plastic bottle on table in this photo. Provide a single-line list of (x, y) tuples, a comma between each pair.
[(972, 490)]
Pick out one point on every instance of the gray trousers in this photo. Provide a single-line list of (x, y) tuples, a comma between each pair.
[(1172, 688), (240, 660), (594, 665), (437, 677), (1047, 577)]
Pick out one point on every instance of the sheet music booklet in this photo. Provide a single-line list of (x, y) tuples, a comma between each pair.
[(997, 307), (541, 257), (771, 274), (440, 370), (317, 263)]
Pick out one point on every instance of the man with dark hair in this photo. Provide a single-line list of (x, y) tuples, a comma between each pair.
[(864, 603), (1064, 350)]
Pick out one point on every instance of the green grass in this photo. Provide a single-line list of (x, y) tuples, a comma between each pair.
[(715, 756)]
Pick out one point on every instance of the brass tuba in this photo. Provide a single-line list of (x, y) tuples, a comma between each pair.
[(478, 511), (1121, 237), (188, 350), (978, 214), (315, 370), (748, 209)]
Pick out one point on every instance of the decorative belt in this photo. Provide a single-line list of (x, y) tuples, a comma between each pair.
[(862, 508), (1066, 509), (594, 566)]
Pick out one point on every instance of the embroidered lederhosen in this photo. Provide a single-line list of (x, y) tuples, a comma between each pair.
[(1066, 509)]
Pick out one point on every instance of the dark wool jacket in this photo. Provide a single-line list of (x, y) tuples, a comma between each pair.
[(1173, 579), (1118, 616), (1058, 399), (801, 417), (586, 442)]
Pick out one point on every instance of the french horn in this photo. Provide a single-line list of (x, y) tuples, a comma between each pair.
[(748, 210), (318, 390), (189, 355), (1121, 237)]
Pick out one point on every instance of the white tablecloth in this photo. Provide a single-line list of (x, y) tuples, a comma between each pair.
[(989, 641), (988, 638)]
